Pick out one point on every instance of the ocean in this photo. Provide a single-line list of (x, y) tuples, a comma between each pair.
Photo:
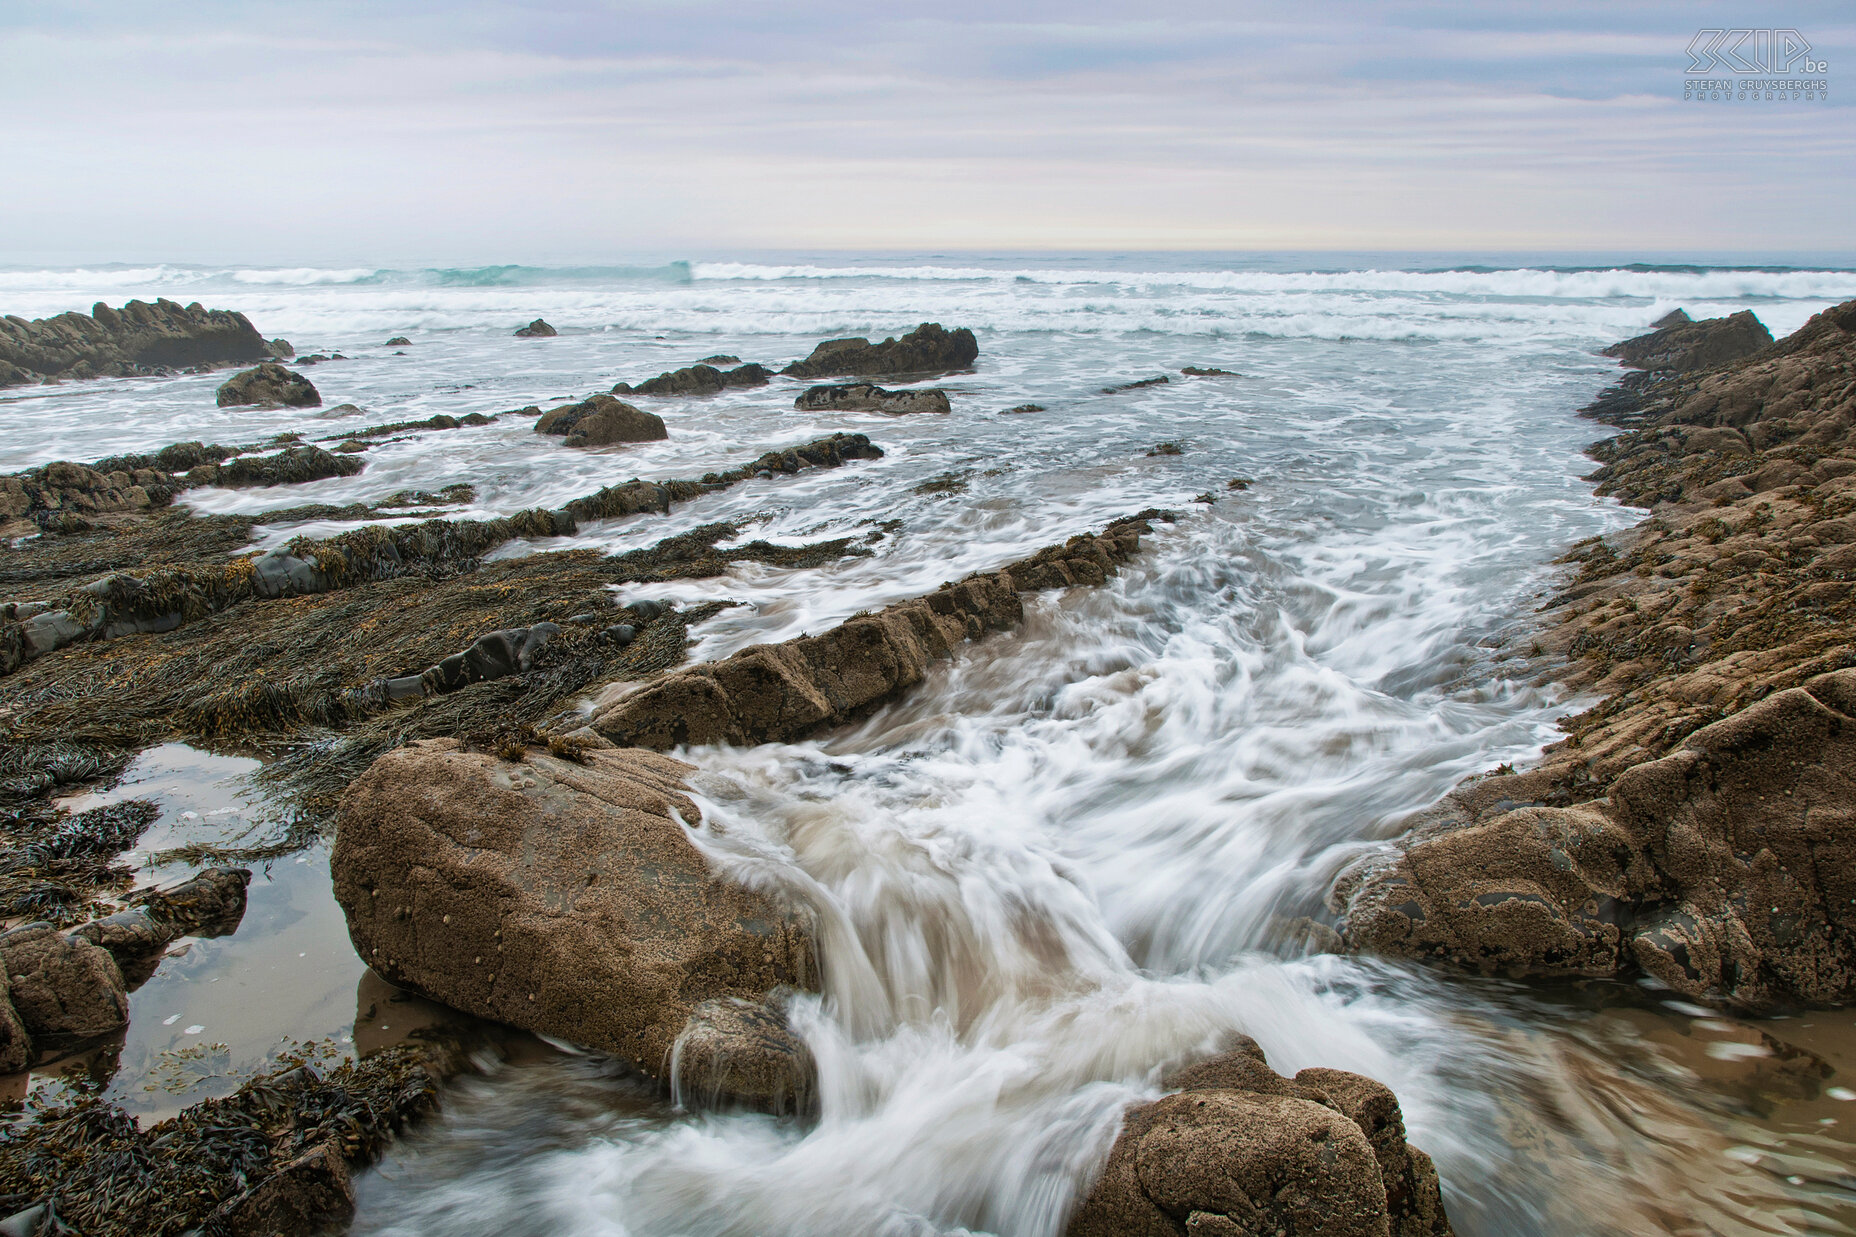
[(1073, 855)]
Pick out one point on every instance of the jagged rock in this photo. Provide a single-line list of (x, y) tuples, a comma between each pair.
[(1239, 1150), (138, 338), (554, 895), (1725, 869), (210, 904), (862, 397), (268, 386), (781, 692), (398, 341), (1687, 345), (721, 358), (1675, 317), (282, 350), (927, 349), (537, 329), (600, 421), (698, 380)]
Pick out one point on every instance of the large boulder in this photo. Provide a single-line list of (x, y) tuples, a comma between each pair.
[(1684, 345), (863, 397), (1240, 1151), (538, 329), (270, 385), (1726, 869), (928, 349), (138, 338), (63, 992), (698, 380), (557, 895), (601, 421)]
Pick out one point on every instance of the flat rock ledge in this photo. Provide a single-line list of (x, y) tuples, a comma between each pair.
[(780, 692), (563, 897), (863, 397), (139, 338), (1240, 1151)]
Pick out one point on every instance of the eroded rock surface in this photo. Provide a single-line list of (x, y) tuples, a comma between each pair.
[(1240, 1151), (136, 339), (1687, 345), (555, 895), (928, 349), (538, 329)]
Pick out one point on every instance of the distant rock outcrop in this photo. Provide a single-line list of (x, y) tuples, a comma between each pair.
[(601, 420), (928, 349), (139, 338), (698, 380), (270, 385), (1682, 345), (862, 397), (538, 329)]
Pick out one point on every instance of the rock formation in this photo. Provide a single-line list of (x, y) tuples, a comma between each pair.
[(1699, 824), (698, 380), (1685, 345), (558, 895), (781, 692), (137, 339), (1240, 1151), (538, 329), (600, 421), (862, 397), (270, 385), (927, 349)]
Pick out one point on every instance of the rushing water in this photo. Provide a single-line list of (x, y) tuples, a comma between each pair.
[(1070, 858)]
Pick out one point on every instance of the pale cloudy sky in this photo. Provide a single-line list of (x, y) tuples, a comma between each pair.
[(575, 130)]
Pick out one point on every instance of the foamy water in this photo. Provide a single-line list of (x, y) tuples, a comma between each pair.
[(1068, 859)]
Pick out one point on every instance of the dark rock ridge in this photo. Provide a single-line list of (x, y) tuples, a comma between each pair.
[(1699, 824), (270, 385), (1240, 1151), (538, 329), (600, 421), (862, 397), (780, 692), (1136, 385), (698, 380), (437, 421), (1685, 345), (137, 339), (928, 349), (557, 895), (164, 598)]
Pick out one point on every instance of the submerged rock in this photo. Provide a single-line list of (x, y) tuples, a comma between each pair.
[(270, 385), (600, 421), (1684, 345), (698, 380), (1240, 1151), (862, 397), (929, 348), (538, 329), (560, 896), (138, 338)]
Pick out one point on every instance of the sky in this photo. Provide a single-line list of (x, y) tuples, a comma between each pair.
[(573, 130)]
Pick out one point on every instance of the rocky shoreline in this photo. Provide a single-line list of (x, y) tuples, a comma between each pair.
[(1696, 825), (511, 840), (138, 339)]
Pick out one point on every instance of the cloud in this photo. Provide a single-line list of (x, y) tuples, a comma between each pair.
[(594, 131)]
